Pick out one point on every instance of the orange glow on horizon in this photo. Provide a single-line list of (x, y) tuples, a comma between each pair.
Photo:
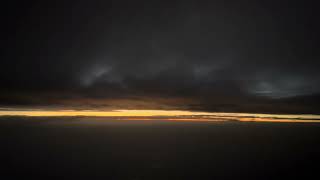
[(168, 115), (117, 113)]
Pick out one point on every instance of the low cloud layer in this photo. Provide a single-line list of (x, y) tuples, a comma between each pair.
[(197, 55)]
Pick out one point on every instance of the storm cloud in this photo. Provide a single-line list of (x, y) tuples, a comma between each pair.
[(231, 56)]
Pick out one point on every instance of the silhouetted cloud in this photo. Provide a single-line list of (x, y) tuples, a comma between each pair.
[(258, 56)]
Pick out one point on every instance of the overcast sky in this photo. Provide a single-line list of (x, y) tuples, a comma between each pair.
[(230, 56)]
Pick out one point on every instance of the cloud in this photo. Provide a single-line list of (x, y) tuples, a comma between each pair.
[(218, 55)]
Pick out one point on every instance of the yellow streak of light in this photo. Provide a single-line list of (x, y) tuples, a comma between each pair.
[(169, 115), (128, 113), (174, 119)]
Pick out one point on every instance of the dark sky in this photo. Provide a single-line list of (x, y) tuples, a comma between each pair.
[(232, 55)]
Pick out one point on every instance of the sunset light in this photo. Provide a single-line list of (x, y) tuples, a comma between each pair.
[(173, 115)]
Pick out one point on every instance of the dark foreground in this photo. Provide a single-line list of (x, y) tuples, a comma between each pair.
[(72, 148)]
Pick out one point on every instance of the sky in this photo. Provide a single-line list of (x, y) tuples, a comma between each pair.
[(211, 56)]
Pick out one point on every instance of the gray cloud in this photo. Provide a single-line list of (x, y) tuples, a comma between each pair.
[(228, 55)]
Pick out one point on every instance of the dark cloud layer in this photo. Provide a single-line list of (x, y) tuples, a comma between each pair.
[(249, 56)]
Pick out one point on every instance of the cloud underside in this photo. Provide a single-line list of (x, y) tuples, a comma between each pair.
[(208, 56)]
